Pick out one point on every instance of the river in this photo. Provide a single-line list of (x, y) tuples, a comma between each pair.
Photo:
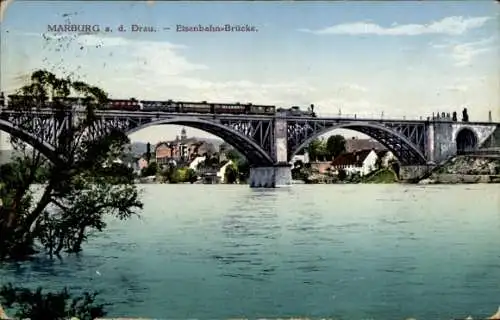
[(341, 251)]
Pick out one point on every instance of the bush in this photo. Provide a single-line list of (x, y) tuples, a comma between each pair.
[(37, 305)]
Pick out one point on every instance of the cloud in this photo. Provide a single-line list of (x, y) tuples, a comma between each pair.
[(449, 25), (355, 87), (127, 67), (457, 88), (463, 54)]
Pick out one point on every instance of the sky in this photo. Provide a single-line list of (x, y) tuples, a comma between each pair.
[(405, 59)]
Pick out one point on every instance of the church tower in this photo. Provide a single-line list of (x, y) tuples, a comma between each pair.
[(183, 134)]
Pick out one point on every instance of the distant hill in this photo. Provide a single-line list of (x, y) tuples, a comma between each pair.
[(138, 148)]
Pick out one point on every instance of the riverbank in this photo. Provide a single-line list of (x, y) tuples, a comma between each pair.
[(459, 170)]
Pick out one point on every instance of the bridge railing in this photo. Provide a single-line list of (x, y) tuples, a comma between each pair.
[(368, 116)]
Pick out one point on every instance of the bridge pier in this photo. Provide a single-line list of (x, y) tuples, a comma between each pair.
[(280, 174), (442, 138), (270, 177)]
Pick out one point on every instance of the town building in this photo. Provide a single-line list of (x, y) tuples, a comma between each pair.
[(213, 174), (321, 167), (355, 144), (182, 150), (358, 162)]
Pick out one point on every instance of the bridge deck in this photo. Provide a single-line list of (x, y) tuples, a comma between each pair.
[(118, 113)]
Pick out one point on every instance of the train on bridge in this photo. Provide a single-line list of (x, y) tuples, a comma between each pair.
[(16, 101)]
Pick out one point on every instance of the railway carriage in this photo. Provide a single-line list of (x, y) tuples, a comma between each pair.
[(203, 107), (124, 104), (193, 107), (262, 109)]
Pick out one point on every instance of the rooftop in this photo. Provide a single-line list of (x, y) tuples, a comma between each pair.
[(352, 158)]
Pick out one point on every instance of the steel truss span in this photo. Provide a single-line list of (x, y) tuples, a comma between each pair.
[(253, 136), (406, 140)]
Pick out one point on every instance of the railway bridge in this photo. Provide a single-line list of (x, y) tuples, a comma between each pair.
[(268, 141)]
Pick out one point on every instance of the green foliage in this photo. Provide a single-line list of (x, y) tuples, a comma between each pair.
[(78, 193), (335, 145), (342, 175), (301, 171), (176, 176), (321, 150), (150, 170), (234, 155), (148, 152), (231, 174), (385, 175), (191, 176), (242, 165), (37, 305), (316, 150), (180, 175), (378, 163), (394, 165), (211, 161)]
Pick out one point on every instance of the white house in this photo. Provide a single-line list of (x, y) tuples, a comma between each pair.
[(196, 162), (304, 158), (221, 174), (360, 162), (386, 156)]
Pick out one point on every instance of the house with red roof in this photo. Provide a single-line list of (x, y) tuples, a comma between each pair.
[(358, 162)]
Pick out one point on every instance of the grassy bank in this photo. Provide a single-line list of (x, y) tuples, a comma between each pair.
[(385, 175)]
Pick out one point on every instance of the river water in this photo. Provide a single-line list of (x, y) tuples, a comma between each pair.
[(340, 251)]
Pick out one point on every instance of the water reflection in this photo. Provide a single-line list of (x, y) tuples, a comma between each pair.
[(352, 251)]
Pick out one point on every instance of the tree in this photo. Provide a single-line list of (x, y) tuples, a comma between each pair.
[(231, 174), (148, 152), (233, 155), (150, 170), (175, 176), (394, 165), (335, 145), (378, 163), (79, 191), (342, 175), (191, 176), (298, 164), (316, 149), (242, 165), (37, 305)]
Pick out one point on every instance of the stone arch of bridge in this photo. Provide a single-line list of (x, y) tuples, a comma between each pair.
[(46, 149), (377, 132), (466, 139), (254, 153)]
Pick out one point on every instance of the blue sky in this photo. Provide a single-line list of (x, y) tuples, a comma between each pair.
[(403, 58)]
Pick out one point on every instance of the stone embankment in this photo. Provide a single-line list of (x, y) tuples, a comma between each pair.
[(466, 169)]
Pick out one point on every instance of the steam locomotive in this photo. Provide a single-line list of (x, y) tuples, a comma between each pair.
[(18, 101)]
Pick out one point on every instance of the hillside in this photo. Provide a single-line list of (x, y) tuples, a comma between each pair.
[(471, 165), (382, 176), (466, 169)]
